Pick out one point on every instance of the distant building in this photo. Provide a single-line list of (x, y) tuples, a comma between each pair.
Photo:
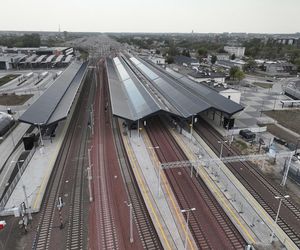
[(280, 67), (287, 41), (239, 52), (293, 90), (42, 50), (186, 61), (158, 60), (222, 56), (10, 61), (231, 63), (207, 77)]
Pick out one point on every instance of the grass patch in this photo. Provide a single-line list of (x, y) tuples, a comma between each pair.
[(287, 118), (263, 85), (7, 78), (240, 145), (14, 100)]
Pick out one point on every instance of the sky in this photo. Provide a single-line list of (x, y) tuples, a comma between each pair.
[(203, 16)]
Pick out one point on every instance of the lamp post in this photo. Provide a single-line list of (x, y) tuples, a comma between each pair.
[(131, 220), (222, 142), (277, 215), (192, 125), (27, 203), (39, 127), (286, 172), (187, 211)]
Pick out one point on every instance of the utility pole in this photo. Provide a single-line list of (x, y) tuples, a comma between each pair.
[(60, 205), (187, 223), (27, 203), (222, 142), (277, 215), (130, 220), (286, 172)]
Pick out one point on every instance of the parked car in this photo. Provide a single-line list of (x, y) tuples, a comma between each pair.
[(247, 134)]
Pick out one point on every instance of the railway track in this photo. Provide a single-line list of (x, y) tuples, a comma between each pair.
[(262, 189), (105, 220), (209, 224), (67, 163), (146, 229), (110, 229)]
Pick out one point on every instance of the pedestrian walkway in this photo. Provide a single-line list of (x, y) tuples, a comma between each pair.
[(255, 103), (159, 206), (35, 178)]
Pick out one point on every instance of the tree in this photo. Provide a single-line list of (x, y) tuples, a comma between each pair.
[(297, 63), (233, 72), (232, 57), (250, 66), (213, 59), (240, 75), (236, 74), (186, 53), (202, 52), (157, 52), (32, 40), (173, 51), (170, 59), (221, 50)]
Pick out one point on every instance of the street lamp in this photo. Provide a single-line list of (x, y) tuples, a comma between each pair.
[(192, 125), (131, 220), (39, 127), (187, 211), (277, 215), (222, 142)]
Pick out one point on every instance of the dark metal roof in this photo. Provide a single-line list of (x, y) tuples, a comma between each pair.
[(205, 94), (132, 99), (54, 104), (184, 59), (186, 103)]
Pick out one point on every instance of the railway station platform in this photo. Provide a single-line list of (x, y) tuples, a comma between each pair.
[(247, 214), (162, 206), (37, 174)]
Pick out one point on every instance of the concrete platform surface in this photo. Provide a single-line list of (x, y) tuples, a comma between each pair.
[(37, 174)]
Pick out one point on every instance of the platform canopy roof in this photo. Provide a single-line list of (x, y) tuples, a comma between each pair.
[(54, 104), (130, 99), (133, 99), (206, 94)]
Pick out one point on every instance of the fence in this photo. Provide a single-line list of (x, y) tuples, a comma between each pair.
[(16, 179)]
